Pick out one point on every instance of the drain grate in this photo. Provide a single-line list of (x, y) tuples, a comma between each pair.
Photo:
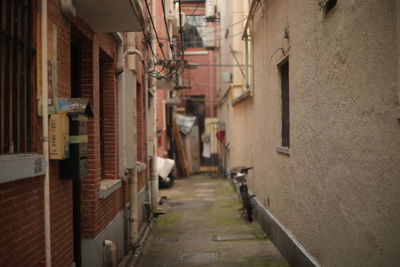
[(234, 237), (189, 205), (204, 190), (205, 257)]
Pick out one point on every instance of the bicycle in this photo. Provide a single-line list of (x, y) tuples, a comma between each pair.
[(239, 175)]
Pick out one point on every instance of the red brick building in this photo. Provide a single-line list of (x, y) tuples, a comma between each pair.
[(83, 62)]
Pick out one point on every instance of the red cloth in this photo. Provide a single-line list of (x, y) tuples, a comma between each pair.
[(221, 136)]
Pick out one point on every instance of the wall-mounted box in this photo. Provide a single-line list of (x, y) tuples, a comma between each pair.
[(59, 136), (76, 167)]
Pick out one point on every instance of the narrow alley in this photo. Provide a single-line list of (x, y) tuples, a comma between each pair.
[(203, 227), (120, 119)]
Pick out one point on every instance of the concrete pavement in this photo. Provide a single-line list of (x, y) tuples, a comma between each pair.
[(203, 227)]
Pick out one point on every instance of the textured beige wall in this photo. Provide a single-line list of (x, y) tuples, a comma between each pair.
[(338, 191)]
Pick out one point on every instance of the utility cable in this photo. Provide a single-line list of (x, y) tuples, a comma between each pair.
[(180, 29), (155, 31), (166, 28), (143, 30), (198, 4), (231, 36)]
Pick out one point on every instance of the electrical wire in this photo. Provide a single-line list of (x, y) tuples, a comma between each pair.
[(180, 29), (166, 28), (198, 4), (227, 27), (204, 41), (143, 30), (160, 44)]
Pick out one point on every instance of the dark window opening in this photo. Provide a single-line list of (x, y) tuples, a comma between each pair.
[(17, 76), (101, 118), (194, 32), (75, 69), (284, 70), (329, 5)]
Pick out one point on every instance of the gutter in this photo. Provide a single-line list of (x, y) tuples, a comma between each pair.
[(246, 39), (250, 16), (132, 173)]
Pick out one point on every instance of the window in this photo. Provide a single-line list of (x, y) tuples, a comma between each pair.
[(328, 5), (107, 117), (284, 70), (102, 117), (194, 32), (16, 75)]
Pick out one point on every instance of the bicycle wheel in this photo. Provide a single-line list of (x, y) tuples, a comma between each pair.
[(246, 203)]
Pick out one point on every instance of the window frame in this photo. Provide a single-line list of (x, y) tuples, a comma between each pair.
[(284, 72), (18, 80)]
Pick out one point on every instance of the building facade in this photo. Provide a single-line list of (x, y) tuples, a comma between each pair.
[(54, 217), (320, 125)]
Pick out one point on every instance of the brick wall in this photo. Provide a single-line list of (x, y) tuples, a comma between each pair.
[(203, 79), (21, 220), (21, 202), (96, 213)]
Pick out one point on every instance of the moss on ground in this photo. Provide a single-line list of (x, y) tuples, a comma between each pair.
[(263, 261), (169, 221)]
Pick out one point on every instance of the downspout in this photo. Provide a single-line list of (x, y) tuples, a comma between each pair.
[(45, 138), (133, 179), (246, 47), (113, 252), (154, 176), (246, 39), (398, 51)]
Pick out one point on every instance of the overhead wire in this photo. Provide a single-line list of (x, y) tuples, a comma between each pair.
[(198, 4), (166, 28), (180, 29), (143, 31), (231, 36), (160, 44)]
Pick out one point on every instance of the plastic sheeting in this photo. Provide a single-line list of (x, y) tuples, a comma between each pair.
[(185, 123), (164, 166)]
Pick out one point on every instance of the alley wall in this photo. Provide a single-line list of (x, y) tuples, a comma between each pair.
[(335, 189)]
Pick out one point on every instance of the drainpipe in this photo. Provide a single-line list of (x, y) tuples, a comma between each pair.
[(132, 174), (246, 45), (113, 251), (398, 50), (153, 128), (246, 38), (45, 138)]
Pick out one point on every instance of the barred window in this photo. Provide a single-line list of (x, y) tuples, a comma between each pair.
[(16, 75)]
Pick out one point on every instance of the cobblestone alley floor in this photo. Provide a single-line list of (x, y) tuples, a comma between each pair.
[(203, 227)]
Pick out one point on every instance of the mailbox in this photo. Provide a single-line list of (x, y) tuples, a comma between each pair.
[(76, 167)]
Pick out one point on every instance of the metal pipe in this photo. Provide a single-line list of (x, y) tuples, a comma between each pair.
[(121, 63), (113, 252), (249, 17), (246, 56), (154, 175), (45, 138), (132, 173)]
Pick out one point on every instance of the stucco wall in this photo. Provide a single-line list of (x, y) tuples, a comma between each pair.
[(337, 192)]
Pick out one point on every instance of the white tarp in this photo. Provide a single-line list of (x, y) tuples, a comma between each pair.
[(164, 166), (185, 123)]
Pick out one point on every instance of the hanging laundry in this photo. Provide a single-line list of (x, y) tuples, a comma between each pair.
[(206, 146), (221, 136)]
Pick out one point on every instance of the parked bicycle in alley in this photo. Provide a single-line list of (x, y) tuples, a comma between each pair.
[(239, 175)]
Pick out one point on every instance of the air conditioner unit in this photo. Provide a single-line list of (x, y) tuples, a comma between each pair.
[(211, 6), (227, 77), (210, 39), (177, 21)]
